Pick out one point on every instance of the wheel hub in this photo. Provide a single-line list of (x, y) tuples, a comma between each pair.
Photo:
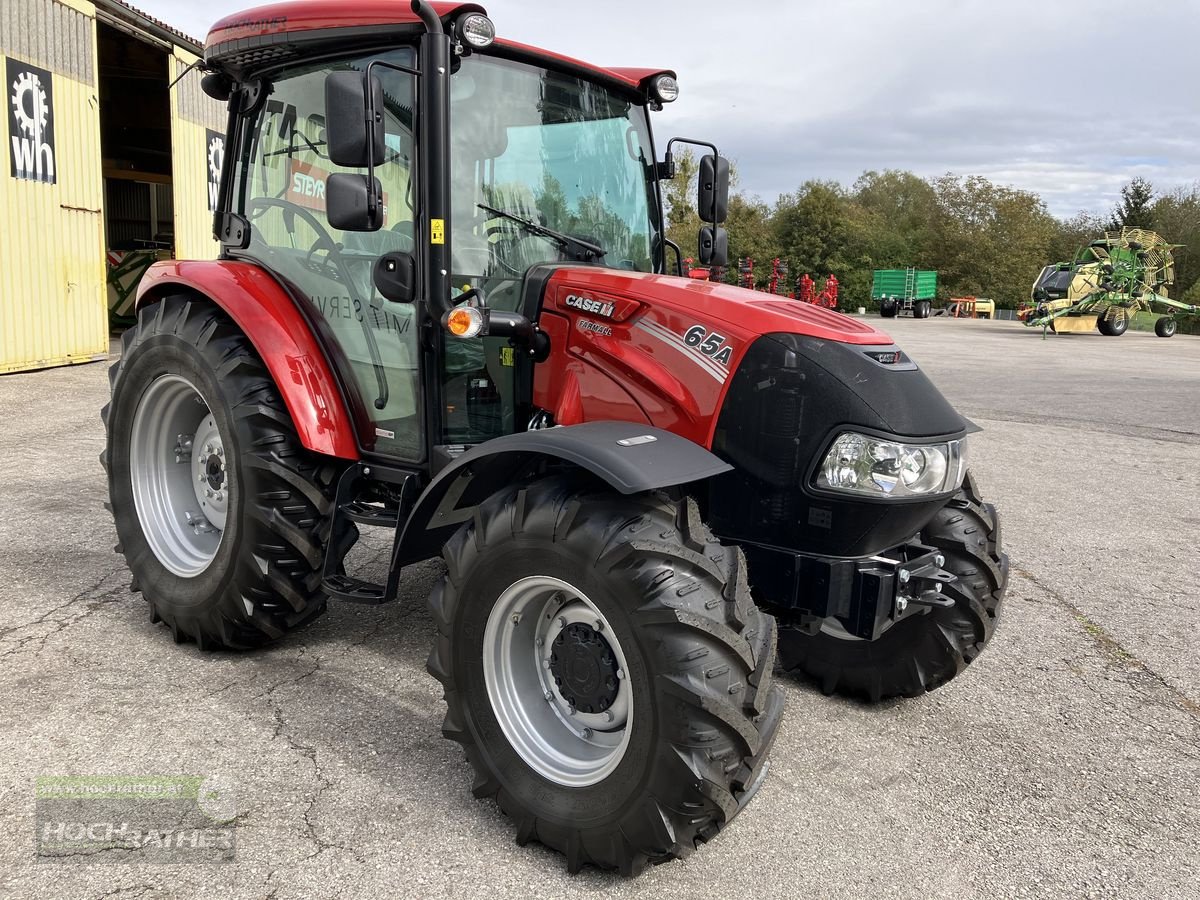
[(584, 668), (178, 475), (558, 681)]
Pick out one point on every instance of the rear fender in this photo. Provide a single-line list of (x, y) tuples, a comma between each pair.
[(268, 317), (630, 458)]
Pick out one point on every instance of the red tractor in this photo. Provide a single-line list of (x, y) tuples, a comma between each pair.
[(443, 308)]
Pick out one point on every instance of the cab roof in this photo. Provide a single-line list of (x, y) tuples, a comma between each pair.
[(270, 34)]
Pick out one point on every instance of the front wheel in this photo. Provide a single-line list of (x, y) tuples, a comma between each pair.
[(888, 310), (920, 652), (606, 671)]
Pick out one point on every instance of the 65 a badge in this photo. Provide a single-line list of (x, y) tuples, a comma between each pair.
[(710, 343)]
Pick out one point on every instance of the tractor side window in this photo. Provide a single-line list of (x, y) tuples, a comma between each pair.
[(372, 341)]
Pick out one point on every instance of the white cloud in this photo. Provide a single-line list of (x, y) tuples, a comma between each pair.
[(1069, 98)]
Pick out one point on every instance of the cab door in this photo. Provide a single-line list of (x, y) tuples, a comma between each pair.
[(371, 341)]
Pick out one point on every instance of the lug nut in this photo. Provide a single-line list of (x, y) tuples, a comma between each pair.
[(516, 618), (545, 664), (587, 734), (901, 605), (620, 673), (904, 575), (549, 697)]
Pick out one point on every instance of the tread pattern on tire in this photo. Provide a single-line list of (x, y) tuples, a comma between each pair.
[(694, 598), (276, 586), (922, 652)]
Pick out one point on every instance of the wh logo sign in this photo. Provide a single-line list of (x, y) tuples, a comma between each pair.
[(215, 142), (31, 122)]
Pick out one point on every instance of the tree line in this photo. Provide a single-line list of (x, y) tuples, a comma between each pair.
[(983, 239)]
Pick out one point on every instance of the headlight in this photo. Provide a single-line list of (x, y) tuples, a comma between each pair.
[(477, 30), (666, 89), (877, 467)]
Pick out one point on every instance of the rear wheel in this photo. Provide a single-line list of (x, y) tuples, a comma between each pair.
[(921, 309), (221, 514), (920, 652), (606, 671), (1166, 326)]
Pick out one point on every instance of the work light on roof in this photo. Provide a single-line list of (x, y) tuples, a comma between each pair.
[(666, 89), (477, 30)]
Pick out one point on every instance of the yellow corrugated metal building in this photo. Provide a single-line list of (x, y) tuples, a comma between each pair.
[(106, 166)]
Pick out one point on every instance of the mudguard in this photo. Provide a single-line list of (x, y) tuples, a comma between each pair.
[(631, 458), (268, 316)]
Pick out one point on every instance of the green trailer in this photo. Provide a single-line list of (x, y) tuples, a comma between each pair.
[(904, 290)]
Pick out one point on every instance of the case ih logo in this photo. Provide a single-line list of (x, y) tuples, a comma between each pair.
[(886, 357), (215, 142), (31, 122), (588, 305)]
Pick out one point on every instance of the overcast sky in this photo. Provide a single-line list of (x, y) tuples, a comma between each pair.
[(1068, 98)]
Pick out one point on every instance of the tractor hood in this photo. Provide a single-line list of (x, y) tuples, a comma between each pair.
[(748, 313), (766, 383)]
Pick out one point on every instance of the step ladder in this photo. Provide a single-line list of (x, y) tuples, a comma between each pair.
[(910, 284), (349, 506)]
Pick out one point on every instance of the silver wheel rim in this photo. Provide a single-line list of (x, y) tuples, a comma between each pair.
[(559, 742), (179, 476)]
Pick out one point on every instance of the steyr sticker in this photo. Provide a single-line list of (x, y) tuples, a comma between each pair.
[(437, 231)]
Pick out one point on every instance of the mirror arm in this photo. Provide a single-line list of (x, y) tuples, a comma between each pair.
[(678, 256)]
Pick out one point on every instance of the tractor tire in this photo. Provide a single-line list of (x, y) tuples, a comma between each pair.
[(651, 730), (921, 309), (920, 652), (1166, 327), (888, 310), (234, 563)]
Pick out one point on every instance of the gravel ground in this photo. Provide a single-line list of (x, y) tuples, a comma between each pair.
[(1064, 763)]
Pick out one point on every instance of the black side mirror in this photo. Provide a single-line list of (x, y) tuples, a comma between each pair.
[(396, 277), (346, 119), (714, 246), (713, 203), (347, 202), (217, 86)]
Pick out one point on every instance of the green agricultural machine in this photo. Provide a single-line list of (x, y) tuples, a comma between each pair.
[(1108, 282), (904, 290)]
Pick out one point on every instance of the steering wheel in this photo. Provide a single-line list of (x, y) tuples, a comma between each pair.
[(334, 266)]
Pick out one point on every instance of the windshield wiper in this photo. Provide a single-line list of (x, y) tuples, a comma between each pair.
[(585, 250)]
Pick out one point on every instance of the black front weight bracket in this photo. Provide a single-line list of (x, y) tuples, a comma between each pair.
[(863, 595)]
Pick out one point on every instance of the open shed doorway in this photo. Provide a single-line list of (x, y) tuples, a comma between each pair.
[(135, 142)]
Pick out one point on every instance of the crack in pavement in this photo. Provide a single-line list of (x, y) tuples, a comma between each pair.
[(1112, 647), (92, 594)]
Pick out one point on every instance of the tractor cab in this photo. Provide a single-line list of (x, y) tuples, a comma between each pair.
[(389, 176)]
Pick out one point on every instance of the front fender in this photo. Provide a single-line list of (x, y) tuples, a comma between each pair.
[(631, 458), (268, 316)]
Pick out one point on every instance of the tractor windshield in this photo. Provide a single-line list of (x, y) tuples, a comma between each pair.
[(544, 164)]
